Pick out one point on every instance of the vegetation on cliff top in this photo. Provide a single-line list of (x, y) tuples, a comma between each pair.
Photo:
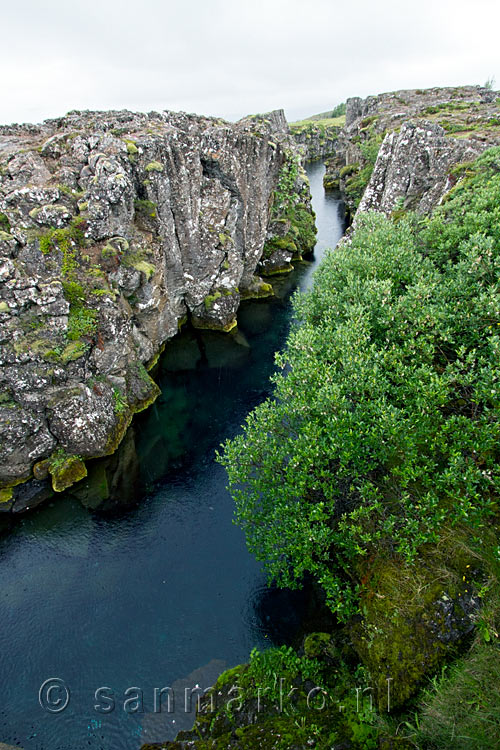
[(323, 126), (384, 427)]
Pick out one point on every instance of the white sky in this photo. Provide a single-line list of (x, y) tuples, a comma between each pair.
[(232, 58)]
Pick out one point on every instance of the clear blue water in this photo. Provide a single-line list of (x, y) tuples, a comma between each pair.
[(160, 593)]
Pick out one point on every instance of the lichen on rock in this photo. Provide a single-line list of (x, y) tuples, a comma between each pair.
[(395, 150), (115, 228)]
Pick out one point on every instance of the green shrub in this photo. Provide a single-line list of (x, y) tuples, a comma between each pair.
[(271, 672), (384, 425)]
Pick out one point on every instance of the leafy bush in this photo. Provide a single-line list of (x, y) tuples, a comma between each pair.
[(384, 425)]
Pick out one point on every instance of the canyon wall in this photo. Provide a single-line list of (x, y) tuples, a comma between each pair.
[(397, 150), (116, 228)]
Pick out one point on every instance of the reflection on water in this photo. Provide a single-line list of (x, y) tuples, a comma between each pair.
[(158, 590)]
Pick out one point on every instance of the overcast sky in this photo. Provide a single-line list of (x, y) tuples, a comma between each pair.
[(231, 58)]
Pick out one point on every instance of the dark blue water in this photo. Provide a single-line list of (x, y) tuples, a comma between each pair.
[(160, 593)]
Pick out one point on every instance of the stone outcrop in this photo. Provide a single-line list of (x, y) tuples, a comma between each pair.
[(115, 228), (412, 171), (424, 134), (317, 139)]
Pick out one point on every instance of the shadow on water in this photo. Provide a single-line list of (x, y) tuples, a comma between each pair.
[(154, 588)]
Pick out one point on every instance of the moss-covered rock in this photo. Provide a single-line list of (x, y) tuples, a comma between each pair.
[(148, 269), (66, 470), (99, 290), (142, 390), (41, 469), (257, 289), (211, 299), (132, 148), (5, 495), (413, 619), (154, 166), (208, 325), (331, 181), (320, 645), (292, 231)]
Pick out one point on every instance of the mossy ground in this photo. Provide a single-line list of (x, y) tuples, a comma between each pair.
[(282, 701)]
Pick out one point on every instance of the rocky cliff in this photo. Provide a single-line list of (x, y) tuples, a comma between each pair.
[(115, 228), (317, 137), (418, 137)]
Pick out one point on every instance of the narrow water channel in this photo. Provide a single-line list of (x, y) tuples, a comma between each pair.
[(162, 593)]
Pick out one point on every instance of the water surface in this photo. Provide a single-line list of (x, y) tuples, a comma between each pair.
[(163, 593)]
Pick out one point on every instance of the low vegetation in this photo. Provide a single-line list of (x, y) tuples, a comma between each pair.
[(356, 176), (289, 209), (374, 469), (384, 426), (322, 125)]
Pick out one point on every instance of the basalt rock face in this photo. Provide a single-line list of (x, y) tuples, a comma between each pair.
[(316, 142), (423, 132), (398, 106), (413, 166), (115, 228)]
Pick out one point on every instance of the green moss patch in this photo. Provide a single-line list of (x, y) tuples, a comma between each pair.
[(154, 166), (65, 470), (6, 495), (211, 299)]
